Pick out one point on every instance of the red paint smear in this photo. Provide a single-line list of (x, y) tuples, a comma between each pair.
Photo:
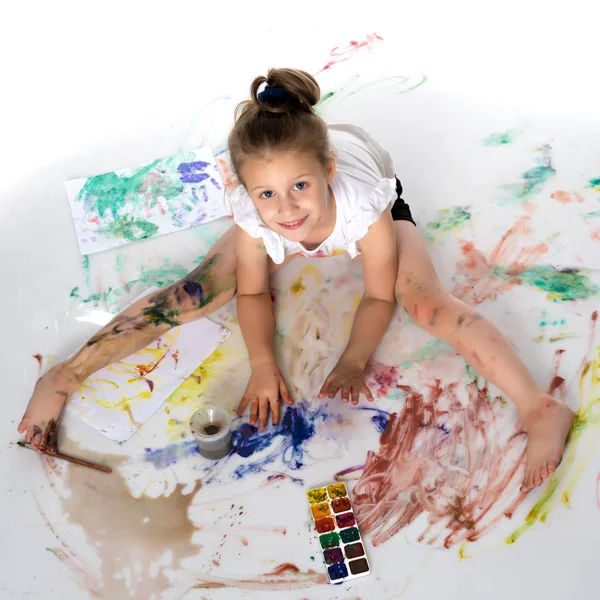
[(244, 541), (595, 235), (93, 219), (477, 273), (343, 54), (144, 370), (226, 174), (566, 197), (175, 356), (39, 358), (381, 377), (284, 568), (150, 383), (446, 458)]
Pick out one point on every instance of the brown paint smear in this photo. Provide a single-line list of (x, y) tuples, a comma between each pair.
[(123, 530), (449, 460), (130, 535)]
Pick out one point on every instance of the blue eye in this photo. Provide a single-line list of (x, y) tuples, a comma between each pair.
[(267, 194), (300, 186)]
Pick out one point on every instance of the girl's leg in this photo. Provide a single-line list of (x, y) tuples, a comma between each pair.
[(437, 311), (204, 290), (207, 288)]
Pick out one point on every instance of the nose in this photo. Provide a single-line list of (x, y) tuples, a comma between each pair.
[(287, 206)]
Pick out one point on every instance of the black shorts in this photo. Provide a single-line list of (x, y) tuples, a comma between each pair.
[(401, 210)]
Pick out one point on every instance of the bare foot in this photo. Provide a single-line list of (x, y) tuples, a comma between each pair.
[(45, 407), (547, 429)]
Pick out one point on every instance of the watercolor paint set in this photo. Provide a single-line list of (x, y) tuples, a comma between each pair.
[(339, 536)]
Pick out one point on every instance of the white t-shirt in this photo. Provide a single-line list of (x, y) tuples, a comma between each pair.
[(363, 187)]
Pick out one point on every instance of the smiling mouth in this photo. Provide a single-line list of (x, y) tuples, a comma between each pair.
[(294, 224)]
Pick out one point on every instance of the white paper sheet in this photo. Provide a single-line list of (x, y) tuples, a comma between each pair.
[(120, 398), (165, 195)]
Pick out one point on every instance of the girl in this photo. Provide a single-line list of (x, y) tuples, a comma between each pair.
[(309, 189)]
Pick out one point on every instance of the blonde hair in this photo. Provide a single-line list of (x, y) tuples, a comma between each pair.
[(280, 118)]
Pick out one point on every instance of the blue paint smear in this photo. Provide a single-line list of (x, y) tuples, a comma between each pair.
[(161, 458), (380, 419), (286, 442)]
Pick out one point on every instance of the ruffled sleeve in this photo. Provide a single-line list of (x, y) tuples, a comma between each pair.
[(364, 208), (240, 205)]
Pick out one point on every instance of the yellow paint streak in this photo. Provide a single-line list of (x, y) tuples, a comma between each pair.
[(189, 392), (581, 443), (87, 385), (298, 286)]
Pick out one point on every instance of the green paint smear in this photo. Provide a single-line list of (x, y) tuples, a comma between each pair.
[(560, 284), (159, 277), (350, 88), (595, 181), (594, 213), (110, 192), (533, 179), (85, 265), (501, 139), (428, 349), (119, 263), (130, 229), (450, 219), (159, 317)]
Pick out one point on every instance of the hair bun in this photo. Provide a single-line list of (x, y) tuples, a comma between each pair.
[(285, 90)]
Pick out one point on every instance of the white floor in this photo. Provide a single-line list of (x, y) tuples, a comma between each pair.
[(494, 130)]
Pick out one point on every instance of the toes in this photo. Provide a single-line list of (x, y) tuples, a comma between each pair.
[(553, 465), (537, 478), (544, 471), (526, 485)]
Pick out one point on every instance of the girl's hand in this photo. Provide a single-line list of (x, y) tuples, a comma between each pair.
[(264, 388), (349, 377)]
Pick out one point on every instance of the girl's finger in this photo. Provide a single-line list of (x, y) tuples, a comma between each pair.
[(326, 389), (253, 411), (367, 393), (243, 403), (287, 398), (345, 392), (275, 409), (263, 413), (355, 391)]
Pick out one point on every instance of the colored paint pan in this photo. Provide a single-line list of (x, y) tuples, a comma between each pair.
[(339, 537)]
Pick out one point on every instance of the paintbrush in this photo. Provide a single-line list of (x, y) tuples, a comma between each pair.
[(72, 459)]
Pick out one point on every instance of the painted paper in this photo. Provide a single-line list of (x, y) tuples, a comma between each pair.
[(120, 398), (162, 196)]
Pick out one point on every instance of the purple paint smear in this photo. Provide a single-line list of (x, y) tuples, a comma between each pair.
[(193, 172)]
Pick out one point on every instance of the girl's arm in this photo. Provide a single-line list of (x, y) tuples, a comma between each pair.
[(255, 311), (374, 312), (376, 308), (257, 322)]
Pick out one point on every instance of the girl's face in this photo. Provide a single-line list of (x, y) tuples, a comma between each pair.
[(290, 191)]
